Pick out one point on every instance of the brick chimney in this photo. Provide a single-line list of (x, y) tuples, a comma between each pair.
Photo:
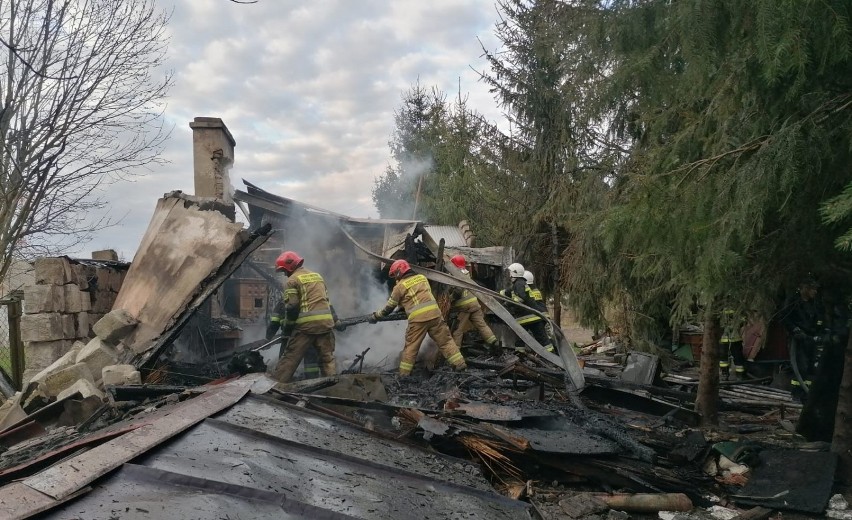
[(213, 155)]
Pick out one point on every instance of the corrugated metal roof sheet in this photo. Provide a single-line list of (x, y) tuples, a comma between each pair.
[(451, 234), (265, 459)]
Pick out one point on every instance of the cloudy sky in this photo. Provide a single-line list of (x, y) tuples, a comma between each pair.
[(308, 91)]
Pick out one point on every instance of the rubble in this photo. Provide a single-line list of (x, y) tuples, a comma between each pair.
[(523, 435), (82, 386), (114, 326), (114, 375), (97, 354)]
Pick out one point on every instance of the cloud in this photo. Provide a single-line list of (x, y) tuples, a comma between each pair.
[(308, 91)]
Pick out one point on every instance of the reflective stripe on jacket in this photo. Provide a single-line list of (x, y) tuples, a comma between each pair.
[(463, 298), (306, 291), (413, 293)]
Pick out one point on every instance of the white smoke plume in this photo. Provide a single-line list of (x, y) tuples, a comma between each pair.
[(354, 286)]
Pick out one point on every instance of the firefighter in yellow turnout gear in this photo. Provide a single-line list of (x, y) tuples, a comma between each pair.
[(310, 363), (469, 313), (413, 293), (308, 320)]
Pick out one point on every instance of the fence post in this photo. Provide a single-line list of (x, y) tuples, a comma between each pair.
[(16, 346)]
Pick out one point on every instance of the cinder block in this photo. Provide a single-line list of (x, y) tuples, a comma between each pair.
[(121, 375), (41, 327), (97, 354), (64, 361), (108, 255), (76, 300), (43, 298), (55, 383), (53, 271), (84, 325), (85, 387), (47, 327), (41, 354), (115, 326)]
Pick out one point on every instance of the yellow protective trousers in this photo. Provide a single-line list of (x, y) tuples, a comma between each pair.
[(440, 334)]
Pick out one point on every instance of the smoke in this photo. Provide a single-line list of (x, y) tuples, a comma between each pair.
[(354, 285), (400, 200)]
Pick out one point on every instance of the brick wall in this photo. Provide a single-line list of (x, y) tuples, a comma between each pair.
[(68, 297)]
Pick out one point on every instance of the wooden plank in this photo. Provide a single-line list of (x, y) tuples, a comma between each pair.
[(68, 477)]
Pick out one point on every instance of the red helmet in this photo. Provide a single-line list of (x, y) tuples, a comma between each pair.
[(399, 268), (459, 261), (288, 262)]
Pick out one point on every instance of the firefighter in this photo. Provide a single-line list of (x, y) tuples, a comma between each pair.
[(804, 319), (310, 363), (308, 319), (469, 313), (530, 321), (412, 293), (536, 295)]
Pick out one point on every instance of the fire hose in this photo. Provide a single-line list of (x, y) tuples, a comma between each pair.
[(341, 324), (566, 359)]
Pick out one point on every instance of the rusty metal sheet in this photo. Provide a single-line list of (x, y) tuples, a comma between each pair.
[(28, 430), (15, 471), (67, 477)]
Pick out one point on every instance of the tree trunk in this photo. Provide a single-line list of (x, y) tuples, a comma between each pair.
[(557, 280), (707, 400), (841, 443)]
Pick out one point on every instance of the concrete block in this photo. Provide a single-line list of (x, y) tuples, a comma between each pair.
[(84, 325), (53, 271), (115, 326), (40, 354), (64, 361), (115, 375), (41, 327), (11, 411), (76, 300), (108, 255), (55, 383), (97, 354), (43, 298), (85, 387)]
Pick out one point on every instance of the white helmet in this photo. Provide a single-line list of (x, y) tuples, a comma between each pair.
[(516, 270), (530, 278)]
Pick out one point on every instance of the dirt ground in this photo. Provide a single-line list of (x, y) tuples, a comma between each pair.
[(572, 329)]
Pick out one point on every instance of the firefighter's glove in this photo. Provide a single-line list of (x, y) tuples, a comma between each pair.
[(339, 326), (374, 318), (288, 330)]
